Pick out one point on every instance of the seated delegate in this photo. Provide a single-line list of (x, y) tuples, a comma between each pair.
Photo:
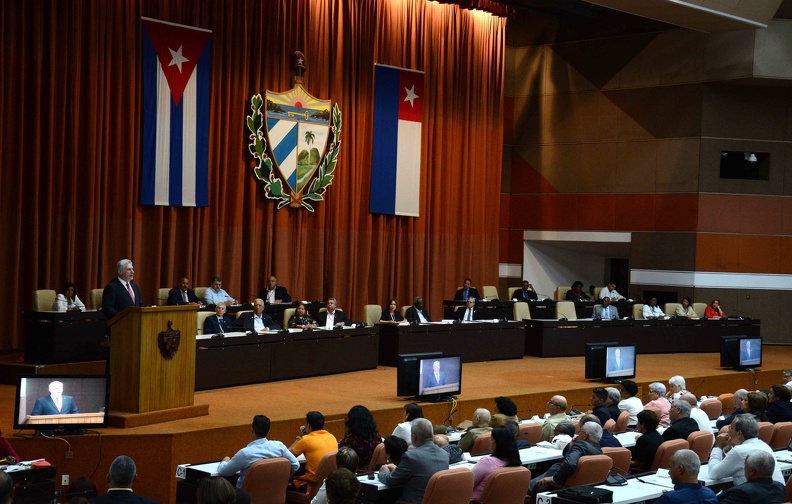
[(714, 310), (651, 311), (576, 292), (67, 300), (391, 315), (685, 309), (301, 318)]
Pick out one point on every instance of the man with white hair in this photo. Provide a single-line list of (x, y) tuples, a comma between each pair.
[(681, 423), (556, 406), (684, 470), (586, 443), (121, 292), (696, 413), (740, 407), (760, 487), (612, 403), (727, 458), (481, 419)]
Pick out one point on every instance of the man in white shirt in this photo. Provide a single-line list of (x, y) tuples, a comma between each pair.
[(696, 413), (727, 458), (610, 292), (332, 317), (468, 313)]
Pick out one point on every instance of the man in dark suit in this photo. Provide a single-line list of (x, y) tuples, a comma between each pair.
[(332, 317), (122, 474), (760, 487), (121, 292), (527, 293), (182, 294), (466, 291), (56, 403), (606, 311), (469, 311), (417, 465), (681, 423), (257, 321), (274, 293), (218, 323), (436, 377), (416, 312)]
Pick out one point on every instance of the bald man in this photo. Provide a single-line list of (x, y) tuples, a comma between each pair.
[(556, 406)]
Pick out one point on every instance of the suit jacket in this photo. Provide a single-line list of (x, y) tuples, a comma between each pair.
[(758, 491), (245, 322), (115, 297), (412, 315), (415, 469), (122, 497), (175, 297), (212, 325), (680, 429), (462, 311), (613, 312), (521, 295), (321, 318), (387, 316), (432, 382), (460, 294), (281, 294), (46, 406)]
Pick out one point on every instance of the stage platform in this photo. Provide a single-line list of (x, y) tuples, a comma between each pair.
[(529, 381)]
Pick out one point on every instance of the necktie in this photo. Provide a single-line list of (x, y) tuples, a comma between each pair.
[(437, 377), (131, 294), (469, 314), (465, 294), (184, 294), (58, 403)]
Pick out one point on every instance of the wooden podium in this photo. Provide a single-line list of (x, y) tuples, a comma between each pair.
[(145, 386)]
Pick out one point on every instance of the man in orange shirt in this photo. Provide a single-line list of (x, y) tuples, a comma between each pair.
[(314, 442)]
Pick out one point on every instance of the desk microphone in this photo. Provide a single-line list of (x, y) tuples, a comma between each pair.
[(450, 415), (697, 386)]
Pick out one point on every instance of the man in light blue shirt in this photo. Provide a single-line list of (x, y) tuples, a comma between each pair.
[(259, 448), (215, 295)]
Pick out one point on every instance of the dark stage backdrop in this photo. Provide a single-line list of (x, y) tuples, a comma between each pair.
[(70, 127)]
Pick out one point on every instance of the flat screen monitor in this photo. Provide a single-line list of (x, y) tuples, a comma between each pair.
[(750, 352), (61, 402), (730, 351), (595, 359), (407, 373), (620, 362), (439, 376)]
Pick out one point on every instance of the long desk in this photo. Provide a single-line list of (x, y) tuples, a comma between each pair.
[(239, 359), (55, 337), (475, 341), (553, 338)]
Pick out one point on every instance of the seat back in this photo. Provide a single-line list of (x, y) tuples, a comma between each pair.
[(482, 444), (638, 311), (521, 311), (451, 486), (766, 432), (404, 310), (610, 425), (621, 422), (701, 442), (665, 451), (531, 432), (266, 480), (162, 296), (789, 490), (560, 292), (782, 432), (43, 299), (378, 457), (287, 314), (199, 292), (95, 299), (512, 290), (591, 469), (621, 459), (670, 308), (490, 292), (201, 319), (566, 309), (239, 314), (657, 411), (727, 401), (325, 467), (712, 407), (699, 308), (506, 485), (372, 313)]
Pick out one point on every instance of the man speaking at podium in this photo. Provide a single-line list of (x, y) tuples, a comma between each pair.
[(121, 292), (437, 377), (56, 403)]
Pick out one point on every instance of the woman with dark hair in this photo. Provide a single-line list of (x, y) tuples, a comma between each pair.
[(67, 300), (757, 405), (779, 409), (411, 412), (301, 318), (391, 315), (686, 309), (216, 490), (361, 435), (714, 310), (643, 453), (394, 449), (504, 454), (576, 292)]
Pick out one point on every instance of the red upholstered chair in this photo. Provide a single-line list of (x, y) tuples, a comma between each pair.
[(727, 400), (712, 407), (621, 459), (507, 485), (789, 489), (482, 444), (662, 458), (610, 425), (655, 409), (766, 432), (326, 466), (266, 480), (621, 422), (591, 469), (531, 432), (782, 432), (701, 442), (378, 457), (452, 486)]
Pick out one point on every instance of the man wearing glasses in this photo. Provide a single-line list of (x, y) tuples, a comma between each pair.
[(556, 406)]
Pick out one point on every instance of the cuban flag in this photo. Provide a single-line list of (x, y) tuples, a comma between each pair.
[(175, 114), (396, 150)]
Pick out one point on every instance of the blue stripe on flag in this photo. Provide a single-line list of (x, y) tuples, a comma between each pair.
[(149, 157), (384, 148), (176, 142), (202, 128)]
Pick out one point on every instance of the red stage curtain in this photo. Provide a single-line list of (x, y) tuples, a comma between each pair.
[(70, 123)]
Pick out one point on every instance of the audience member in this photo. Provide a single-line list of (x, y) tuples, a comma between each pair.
[(333, 317), (696, 413), (83, 487), (630, 403), (684, 469), (646, 445), (256, 321), (607, 439), (563, 434), (67, 300), (526, 293), (342, 487), (417, 465), (466, 292), (599, 400), (417, 314), (346, 458), (218, 323), (779, 408), (515, 429), (610, 292), (614, 396), (657, 400), (714, 311), (681, 423), (606, 311), (468, 313), (504, 454), (301, 318), (361, 435), (274, 293), (507, 407), (787, 378), (215, 490), (576, 292), (314, 442), (759, 487), (556, 406), (120, 478), (259, 448), (395, 448), (121, 292), (727, 458), (740, 407), (7, 451), (480, 425), (587, 443), (651, 311), (215, 294), (182, 294), (757, 405), (404, 429), (685, 309), (677, 384), (391, 315)]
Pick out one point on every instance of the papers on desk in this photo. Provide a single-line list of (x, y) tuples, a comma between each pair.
[(661, 478)]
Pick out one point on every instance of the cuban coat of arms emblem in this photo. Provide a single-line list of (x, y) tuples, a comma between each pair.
[(295, 138)]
